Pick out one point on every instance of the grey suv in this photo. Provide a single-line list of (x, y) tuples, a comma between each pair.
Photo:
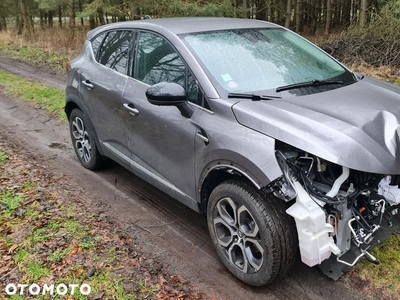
[(278, 144)]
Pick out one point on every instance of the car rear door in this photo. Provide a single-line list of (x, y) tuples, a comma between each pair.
[(161, 139), (102, 84)]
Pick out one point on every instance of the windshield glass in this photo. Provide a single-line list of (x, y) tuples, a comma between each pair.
[(255, 60)]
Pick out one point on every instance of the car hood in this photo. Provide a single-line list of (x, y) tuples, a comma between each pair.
[(354, 126)]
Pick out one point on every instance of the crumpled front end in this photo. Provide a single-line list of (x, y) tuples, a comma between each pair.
[(337, 210)]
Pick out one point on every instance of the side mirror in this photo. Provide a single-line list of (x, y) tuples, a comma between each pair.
[(169, 94), (166, 94)]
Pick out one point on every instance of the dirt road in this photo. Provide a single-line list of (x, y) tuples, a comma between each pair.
[(167, 230)]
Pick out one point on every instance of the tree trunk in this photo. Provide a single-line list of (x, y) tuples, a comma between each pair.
[(260, 13), (42, 17), (80, 6), (298, 15), (272, 11), (50, 19), (26, 18), (72, 14), (3, 14), (60, 21), (346, 13), (288, 13), (3, 22), (363, 13), (92, 22), (281, 12), (101, 16), (19, 25), (322, 13), (133, 11), (268, 12), (336, 14), (313, 17), (328, 16), (245, 13)]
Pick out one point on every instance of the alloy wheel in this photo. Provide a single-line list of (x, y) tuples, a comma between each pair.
[(238, 234), (82, 141)]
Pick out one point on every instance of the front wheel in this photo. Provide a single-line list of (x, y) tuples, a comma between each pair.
[(251, 232)]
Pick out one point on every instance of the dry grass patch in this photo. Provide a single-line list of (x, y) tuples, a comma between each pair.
[(51, 47), (64, 41), (386, 73)]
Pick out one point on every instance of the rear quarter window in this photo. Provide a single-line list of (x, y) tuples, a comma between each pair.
[(96, 43)]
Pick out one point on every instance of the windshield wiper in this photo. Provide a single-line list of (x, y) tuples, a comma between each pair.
[(253, 97), (315, 82)]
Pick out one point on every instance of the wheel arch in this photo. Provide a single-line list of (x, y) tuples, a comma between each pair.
[(219, 171), (73, 102)]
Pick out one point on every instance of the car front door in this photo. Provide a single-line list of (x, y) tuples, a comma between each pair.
[(161, 139)]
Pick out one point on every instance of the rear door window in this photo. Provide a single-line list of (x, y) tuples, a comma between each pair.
[(114, 53)]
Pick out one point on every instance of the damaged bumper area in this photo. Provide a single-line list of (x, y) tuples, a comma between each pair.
[(338, 211)]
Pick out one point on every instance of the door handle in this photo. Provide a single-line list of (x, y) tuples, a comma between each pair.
[(132, 110), (88, 84), (202, 136)]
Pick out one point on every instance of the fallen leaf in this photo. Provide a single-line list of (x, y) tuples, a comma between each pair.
[(4, 270), (12, 248), (91, 272), (161, 281)]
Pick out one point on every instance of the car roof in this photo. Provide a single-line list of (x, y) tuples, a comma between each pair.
[(184, 25)]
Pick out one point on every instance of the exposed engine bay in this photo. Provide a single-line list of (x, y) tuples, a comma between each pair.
[(336, 209)]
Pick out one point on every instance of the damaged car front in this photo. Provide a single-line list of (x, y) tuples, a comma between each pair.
[(336, 135), (339, 156)]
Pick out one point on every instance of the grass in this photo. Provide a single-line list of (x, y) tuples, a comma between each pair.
[(48, 98), (21, 255), (10, 201), (35, 271), (59, 255), (396, 81), (3, 158), (58, 244), (382, 277)]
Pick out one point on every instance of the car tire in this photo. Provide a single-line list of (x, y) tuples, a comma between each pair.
[(251, 232), (83, 140)]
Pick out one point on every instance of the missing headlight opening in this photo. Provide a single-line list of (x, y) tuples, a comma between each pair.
[(337, 210)]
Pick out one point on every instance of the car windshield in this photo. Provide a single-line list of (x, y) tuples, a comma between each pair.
[(260, 59)]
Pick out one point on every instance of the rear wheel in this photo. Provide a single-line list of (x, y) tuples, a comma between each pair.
[(251, 232), (82, 136)]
